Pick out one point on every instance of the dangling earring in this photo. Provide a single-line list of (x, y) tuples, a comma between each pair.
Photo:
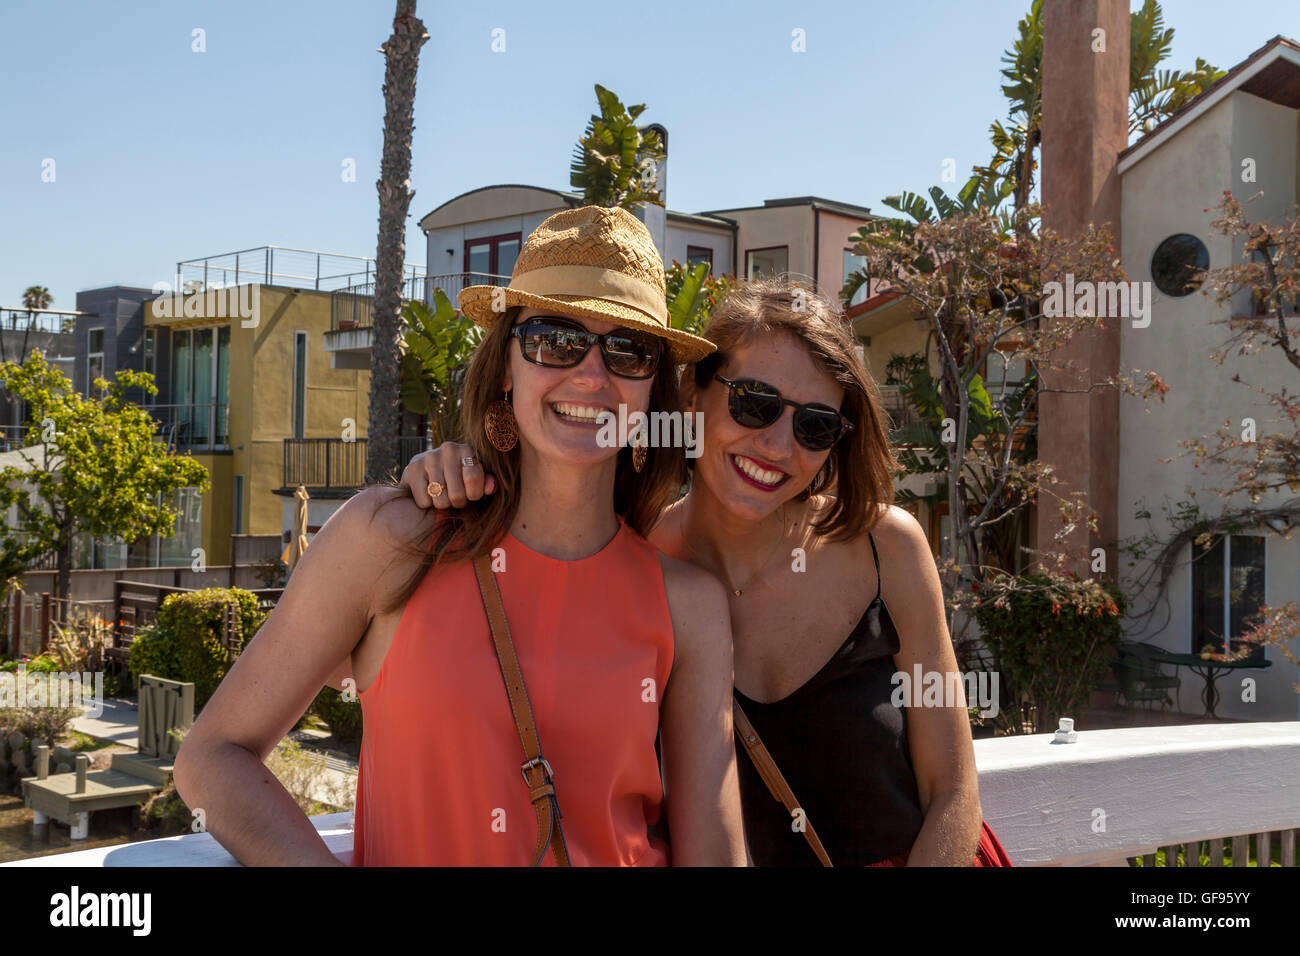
[(639, 455), (500, 424)]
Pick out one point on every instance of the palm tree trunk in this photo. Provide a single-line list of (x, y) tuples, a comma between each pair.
[(402, 53)]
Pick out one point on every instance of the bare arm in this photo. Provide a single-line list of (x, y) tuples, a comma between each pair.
[(943, 756), (322, 615), (701, 785)]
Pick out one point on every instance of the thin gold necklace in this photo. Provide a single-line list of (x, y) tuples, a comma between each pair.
[(762, 567)]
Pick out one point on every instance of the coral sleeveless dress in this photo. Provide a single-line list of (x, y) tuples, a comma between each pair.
[(439, 782)]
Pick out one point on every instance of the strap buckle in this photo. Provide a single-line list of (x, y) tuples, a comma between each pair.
[(536, 761)]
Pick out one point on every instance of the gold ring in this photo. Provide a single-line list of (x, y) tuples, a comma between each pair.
[(435, 489)]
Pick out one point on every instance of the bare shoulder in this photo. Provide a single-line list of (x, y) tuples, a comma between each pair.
[(701, 617), (689, 585), (903, 547), (378, 530), (898, 527)]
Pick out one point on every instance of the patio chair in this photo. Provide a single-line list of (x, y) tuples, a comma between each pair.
[(1144, 655), (1132, 684)]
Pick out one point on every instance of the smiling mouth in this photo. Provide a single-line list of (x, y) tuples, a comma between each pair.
[(580, 414), (756, 474)]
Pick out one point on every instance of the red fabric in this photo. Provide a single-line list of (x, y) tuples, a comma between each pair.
[(989, 852), (440, 754)]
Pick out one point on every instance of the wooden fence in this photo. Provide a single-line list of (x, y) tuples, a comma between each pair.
[(27, 619)]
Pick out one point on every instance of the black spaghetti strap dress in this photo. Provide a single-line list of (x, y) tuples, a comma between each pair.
[(842, 746)]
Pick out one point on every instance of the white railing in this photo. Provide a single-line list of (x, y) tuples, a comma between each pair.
[(1111, 796)]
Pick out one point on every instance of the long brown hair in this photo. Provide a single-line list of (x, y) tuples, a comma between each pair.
[(465, 533), (860, 466)]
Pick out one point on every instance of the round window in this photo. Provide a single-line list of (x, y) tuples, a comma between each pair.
[(1176, 263)]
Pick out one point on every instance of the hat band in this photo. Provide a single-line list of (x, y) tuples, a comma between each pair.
[(597, 283)]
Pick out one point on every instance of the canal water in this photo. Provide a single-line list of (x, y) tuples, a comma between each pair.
[(17, 841)]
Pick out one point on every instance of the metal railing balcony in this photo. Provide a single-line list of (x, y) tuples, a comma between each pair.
[(353, 307), (283, 266), (332, 464), (193, 427), (50, 321)]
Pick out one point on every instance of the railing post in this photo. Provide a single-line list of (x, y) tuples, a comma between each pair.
[(318, 272), (16, 624), (117, 612), (328, 443), (45, 621)]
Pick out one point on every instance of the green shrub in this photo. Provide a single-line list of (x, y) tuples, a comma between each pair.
[(343, 717), (186, 645), (41, 664), (1052, 636)]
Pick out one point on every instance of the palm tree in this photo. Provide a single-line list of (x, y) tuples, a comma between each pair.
[(1154, 94), (402, 55), (614, 161), (36, 297)]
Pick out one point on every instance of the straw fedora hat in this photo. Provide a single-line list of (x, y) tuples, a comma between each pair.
[(593, 262)]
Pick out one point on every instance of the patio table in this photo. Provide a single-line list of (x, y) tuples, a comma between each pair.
[(1208, 671)]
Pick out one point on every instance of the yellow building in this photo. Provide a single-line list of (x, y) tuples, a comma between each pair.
[(246, 386)]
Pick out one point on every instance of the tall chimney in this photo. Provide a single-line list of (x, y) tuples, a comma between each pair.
[(656, 217), (1085, 126)]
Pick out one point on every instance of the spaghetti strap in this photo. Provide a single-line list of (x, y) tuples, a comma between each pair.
[(876, 558)]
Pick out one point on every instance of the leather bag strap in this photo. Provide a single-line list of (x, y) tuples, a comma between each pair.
[(771, 774), (536, 770)]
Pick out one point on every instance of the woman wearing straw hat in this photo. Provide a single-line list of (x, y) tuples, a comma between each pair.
[(791, 506), (518, 664)]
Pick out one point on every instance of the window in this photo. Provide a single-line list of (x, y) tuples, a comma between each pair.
[(187, 529), (94, 358), (150, 360), (200, 384), (490, 256), (855, 263), (696, 254), (767, 262), (1004, 372), (299, 383), (1176, 262), (237, 515), (1227, 588)]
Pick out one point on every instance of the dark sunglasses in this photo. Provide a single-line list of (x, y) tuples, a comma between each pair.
[(756, 404), (554, 342)]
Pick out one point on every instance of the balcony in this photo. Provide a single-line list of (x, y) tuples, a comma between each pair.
[(281, 266), (352, 312), (195, 427), (332, 467)]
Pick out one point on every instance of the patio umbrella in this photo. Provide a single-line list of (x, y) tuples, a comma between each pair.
[(298, 543)]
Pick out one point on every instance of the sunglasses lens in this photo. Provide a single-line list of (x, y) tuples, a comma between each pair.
[(817, 429), (631, 356), (550, 344), (754, 406)]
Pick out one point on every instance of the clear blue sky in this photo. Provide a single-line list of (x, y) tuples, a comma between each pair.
[(162, 153)]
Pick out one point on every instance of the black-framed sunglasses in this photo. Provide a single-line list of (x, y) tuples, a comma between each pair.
[(555, 342), (756, 404)]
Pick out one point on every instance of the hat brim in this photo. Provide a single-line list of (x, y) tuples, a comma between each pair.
[(476, 302)]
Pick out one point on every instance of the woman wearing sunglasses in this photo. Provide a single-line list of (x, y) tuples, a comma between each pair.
[(541, 746), (831, 595)]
